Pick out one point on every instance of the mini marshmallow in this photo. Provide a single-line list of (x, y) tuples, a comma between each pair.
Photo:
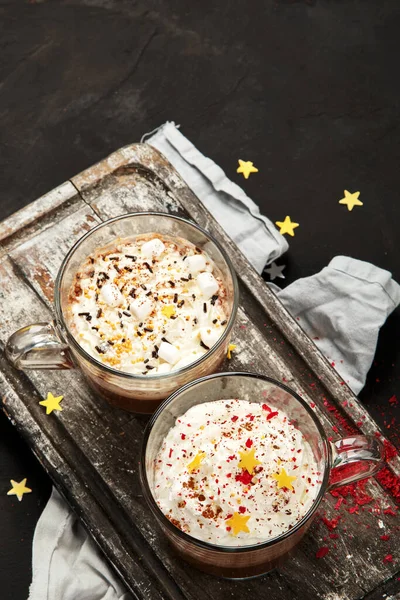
[(163, 368), (141, 308), (153, 247), (196, 263), (187, 360), (209, 336), (208, 284), (111, 295), (168, 352)]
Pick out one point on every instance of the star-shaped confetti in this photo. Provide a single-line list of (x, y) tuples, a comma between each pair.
[(248, 461), (231, 348), (52, 403), (18, 489), (238, 523), (275, 271), (246, 167), (351, 199), (168, 310), (287, 226), (284, 480), (195, 464)]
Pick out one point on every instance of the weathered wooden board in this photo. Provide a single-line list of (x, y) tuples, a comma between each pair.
[(91, 450)]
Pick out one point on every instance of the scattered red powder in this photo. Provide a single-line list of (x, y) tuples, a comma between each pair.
[(385, 538), (393, 400), (333, 536), (323, 551), (312, 404), (342, 421), (390, 482), (390, 450)]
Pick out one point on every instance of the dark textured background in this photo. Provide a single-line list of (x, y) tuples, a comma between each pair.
[(308, 91)]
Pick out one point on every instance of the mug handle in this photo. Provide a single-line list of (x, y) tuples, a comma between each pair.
[(355, 458), (39, 346)]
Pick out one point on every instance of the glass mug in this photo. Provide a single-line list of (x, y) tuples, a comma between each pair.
[(341, 462), (53, 346)]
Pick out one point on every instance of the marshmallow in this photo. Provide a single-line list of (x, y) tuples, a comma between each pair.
[(163, 368), (111, 295), (208, 284), (196, 263), (141, 308), (209, 337), (187, 360), (168, 352), (153, 247)]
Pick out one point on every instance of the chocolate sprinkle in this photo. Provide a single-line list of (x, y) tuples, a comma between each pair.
[(148, 329), (132, 293), (146, 360), (214, 299), (130, 256), (84, 314), (204, 346), (171, 283), (146, 264), (190, 276), (100, 350), (184, 279), (164, 339), (125, 312), (110, 342), (215, 321), (175, 298), (224, 322), (143, 286), (99, 313), (149, 367), (205, 307), (180, 304)]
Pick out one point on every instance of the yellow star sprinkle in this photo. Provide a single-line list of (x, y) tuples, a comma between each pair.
[(51, 403), (286, 226), (168, 311), (195, 464), (18, 489), (231, 348), (246, 167), (238, 523), (284, 480), (351, 200), (248, 461)]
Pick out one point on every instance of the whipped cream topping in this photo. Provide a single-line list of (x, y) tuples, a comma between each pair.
[(148, 305), (235, 473)]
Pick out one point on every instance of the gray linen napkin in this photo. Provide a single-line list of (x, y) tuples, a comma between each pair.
[(342, 308)]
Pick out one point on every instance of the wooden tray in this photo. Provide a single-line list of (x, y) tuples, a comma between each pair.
[(91, 450)]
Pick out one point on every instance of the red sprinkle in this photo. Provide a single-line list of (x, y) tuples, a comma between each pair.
[(249, 443), (389, 511), (332, 523), (385, 537), (393, 400), (235, 418), (183, 436), (170, 453), (266, 407), (242, 509), (244, 477), (322, 552), (271, 415), (388, 558), (312, 404)]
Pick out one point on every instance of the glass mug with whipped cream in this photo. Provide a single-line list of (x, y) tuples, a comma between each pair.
[(144, 303), (234, 467)]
